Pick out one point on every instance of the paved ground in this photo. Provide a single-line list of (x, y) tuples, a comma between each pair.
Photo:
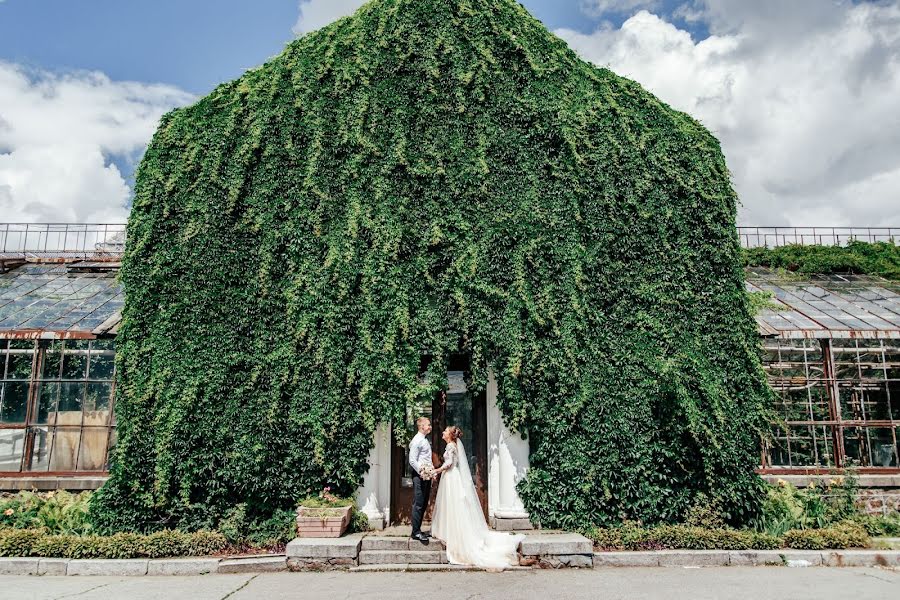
[(731, 583)]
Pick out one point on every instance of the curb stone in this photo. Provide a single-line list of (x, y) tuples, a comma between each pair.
[(53, 567), (253, 564), (694, 558), (19, 566), (861, 558), (109, 567), (749, 558), (183, 566)]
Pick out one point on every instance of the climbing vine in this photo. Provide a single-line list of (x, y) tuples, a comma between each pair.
[(424, 178), (857, 257)]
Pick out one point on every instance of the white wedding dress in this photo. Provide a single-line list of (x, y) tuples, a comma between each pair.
[(459, 522)]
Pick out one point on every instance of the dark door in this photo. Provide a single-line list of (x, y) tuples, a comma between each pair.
[(458, 406)]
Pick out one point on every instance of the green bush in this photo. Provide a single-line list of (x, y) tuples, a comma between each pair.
[(822, 503), (843, 535), (880, 258), (37, 542), (57, 511), (359, 521), (680, 537), (880, 525)]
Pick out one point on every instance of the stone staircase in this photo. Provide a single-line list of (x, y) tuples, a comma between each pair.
[(393, 550), (400, 551)]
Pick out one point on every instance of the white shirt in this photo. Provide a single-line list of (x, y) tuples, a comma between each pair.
[(419, 451)]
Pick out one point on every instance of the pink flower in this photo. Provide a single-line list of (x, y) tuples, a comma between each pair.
[(8, 512)]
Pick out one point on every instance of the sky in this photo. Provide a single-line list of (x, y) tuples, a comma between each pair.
[(803, 94)]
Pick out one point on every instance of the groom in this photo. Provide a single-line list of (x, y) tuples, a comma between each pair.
[(419, 452)]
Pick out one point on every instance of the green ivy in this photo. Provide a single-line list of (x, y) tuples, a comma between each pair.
[(878, 258), (424, 178)]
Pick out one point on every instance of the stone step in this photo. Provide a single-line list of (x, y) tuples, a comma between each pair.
[(402, 557), (377, 542)]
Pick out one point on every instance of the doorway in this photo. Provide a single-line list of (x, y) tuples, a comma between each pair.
[(457, 405)]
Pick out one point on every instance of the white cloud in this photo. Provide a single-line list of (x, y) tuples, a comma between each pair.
[(803, 96), (598, 8), (58, 136), (315, 14)]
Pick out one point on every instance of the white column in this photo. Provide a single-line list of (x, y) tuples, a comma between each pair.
[(374, 496), (507, 462)]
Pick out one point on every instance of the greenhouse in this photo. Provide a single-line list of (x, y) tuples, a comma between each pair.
[(830, 343)]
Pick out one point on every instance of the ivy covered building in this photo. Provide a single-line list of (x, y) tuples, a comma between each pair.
[(831, 350)]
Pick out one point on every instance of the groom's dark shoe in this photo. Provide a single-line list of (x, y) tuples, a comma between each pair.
[(420, 537)]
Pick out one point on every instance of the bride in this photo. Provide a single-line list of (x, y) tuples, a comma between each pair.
[(458, 519)]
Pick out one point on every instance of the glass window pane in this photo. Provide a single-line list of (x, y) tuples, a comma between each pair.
[(101, 366), (15, 402), (92, 456), (74, 365), (47, 403), (52, 361), (111, 448), (801, 446), (870, 447), (71, 400), (20, 363), (40, 455), (99, 345), (12, 444), (893, 388), (864, 402), (64, 450), (777, 453), (96, 404)]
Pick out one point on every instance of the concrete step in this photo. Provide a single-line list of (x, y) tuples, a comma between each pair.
[(376, 542), (401, 568), (402, 557)]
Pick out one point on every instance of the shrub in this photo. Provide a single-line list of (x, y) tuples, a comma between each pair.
[(19, 542), (681, 537), (684, 537), (359, 521), (843, 535), (38, 542), (880, 525), (879, 258), (57, 511), (819, 505)]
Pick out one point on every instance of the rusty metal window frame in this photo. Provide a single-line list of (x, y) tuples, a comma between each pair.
[(842, 367), (31, 427)]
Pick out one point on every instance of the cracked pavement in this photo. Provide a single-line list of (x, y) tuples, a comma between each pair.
[(733, 583)]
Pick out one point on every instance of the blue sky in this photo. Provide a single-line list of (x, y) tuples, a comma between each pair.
[(801, 93), (193, 44)]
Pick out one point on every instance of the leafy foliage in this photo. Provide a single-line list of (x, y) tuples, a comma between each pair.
[(40, 542), (629, 536), (421, 179), (879, 258), (821, 504), (57, 512), (843, 535), (760, 301)]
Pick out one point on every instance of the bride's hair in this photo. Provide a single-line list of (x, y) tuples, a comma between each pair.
[(455, 432)]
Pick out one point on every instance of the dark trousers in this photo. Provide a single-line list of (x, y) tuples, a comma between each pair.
[(421, 493)]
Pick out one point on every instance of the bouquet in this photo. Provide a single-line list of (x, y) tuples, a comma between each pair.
[(426, 470)]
